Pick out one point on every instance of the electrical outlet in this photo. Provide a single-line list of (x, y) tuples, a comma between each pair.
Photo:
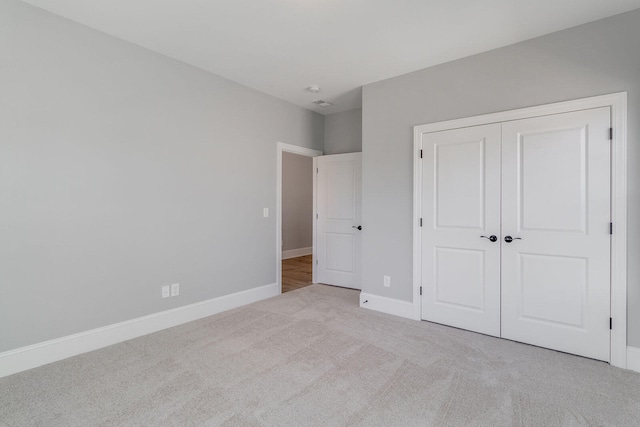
[(165, 291), (387, 281), (175, 289), (265, 212)]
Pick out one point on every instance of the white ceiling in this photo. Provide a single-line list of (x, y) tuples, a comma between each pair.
[(280, 47)]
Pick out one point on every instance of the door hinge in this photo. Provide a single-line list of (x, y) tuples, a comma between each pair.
[(420, 153), (610, 228), (420, 290), (316, 262), (317, 170), (610, 323), (420, 222), (316, 216), (611, 134)]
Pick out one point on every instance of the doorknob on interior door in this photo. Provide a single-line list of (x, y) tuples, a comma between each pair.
[(359, 227), (493, 237), (510, 239)]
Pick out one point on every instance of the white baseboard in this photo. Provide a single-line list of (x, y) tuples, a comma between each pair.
[(387, 305), (35, 355), (294, 253), (633, 358)]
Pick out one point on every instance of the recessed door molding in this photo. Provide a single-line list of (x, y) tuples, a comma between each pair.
[(618, 105)]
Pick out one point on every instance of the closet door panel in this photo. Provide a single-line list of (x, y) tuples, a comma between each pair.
[(556, 209), (461, 203)]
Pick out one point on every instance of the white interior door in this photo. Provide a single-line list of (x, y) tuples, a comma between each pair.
[(556, 207), (339, 206), (461, 203)]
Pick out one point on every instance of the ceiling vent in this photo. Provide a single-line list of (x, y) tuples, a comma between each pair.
[(322, 103)]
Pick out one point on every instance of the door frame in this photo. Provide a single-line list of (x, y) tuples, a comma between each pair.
[(618, 104), (282, 147)]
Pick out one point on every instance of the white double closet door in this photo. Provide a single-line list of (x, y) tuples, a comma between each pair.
[(515, 236)]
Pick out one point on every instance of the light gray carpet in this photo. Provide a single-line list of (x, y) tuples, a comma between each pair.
[(311, 357)]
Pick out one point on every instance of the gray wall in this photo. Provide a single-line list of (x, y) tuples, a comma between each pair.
[(598, 58), (121, 171), (297, 201), (343, 132)]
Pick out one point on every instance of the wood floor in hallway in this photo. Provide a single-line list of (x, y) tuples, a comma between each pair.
[(296, 273)]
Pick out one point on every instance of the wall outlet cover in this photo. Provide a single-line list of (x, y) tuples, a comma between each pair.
[(165, 291), (387, 281), (175, 289)]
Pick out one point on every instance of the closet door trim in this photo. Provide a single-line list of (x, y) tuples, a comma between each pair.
[(618, 104)]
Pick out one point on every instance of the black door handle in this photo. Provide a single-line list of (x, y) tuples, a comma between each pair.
[(359, 227), (510, 239), (493, 237)]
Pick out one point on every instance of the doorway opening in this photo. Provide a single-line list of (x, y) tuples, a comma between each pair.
[(295, 227)]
